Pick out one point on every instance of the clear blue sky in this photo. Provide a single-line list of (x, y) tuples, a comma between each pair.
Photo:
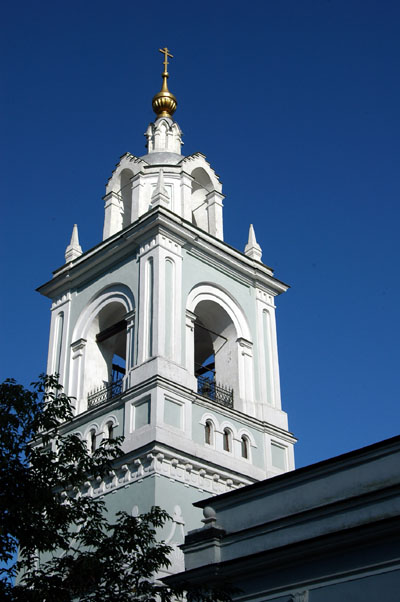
[(296, 105)]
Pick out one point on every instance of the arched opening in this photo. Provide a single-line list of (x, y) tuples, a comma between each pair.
[(215, 353), (126, 196), (201, 186), (245, 447), (227, 440), (91, 440), (161, 137), (109, 431), (106, 354), (209, 433)]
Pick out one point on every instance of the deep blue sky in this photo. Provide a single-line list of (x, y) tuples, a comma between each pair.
[(296, 105)]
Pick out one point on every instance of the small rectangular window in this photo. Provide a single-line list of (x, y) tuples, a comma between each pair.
[(142, 414), (278, 454), (173, 413)]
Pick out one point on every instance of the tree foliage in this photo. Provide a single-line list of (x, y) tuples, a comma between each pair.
[(67, 547)]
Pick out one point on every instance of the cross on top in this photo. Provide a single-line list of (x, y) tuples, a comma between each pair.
[(166, 54)]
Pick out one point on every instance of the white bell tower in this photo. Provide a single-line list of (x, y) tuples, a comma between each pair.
[(165, 334)]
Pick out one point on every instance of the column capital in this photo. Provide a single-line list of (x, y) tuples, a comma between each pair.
[(130, 317), (190, 317), (215, 197), (78, 344), (245, 345)]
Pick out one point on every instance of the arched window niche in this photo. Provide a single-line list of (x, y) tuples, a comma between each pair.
[(109, 431), (102, 352), (91, 441), (245, 447), (218, 347), (227, 439), (209, 433)]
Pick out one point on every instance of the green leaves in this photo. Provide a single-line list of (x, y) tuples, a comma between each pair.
[(68, 548)]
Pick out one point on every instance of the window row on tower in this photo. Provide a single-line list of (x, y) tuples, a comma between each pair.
[(226, 438)]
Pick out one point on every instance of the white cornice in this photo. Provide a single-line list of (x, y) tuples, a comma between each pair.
[(126, 242), (158, 460)]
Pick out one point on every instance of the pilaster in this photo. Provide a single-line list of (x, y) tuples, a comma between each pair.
[(113, 214), (139, 204), (78, 349), (59, 328), (214, 209), (186, 196)]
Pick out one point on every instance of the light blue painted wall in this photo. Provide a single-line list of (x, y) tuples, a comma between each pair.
[(141, 494), (169, 494), (159, 491)]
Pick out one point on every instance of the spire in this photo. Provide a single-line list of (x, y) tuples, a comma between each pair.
[(160, 194), (164, 103), (253, 249), (74, 249)]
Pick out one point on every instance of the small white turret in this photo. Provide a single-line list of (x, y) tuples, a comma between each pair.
[(253, 249), (74, 249), (163, 136)]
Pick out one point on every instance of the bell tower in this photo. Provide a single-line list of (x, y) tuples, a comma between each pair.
[(165, 334)]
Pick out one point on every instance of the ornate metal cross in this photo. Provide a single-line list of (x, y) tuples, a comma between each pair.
[(166, 54)]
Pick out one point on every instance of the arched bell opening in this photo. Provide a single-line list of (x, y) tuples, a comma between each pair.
[(215, 353), (105, 363), (201, 186)]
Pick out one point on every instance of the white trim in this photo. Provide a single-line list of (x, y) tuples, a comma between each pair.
[(111, 418), (212, 292), (118, 292)]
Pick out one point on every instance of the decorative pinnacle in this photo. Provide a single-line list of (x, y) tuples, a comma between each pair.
[(253, 249), (160, 195), (164, 103), (74, 249)]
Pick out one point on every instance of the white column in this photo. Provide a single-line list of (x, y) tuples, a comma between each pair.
[(139, 206), (78, 349), (275, 362), (186, 196), (268, 369), (214, 209), (144, 318), (190, 320), (113, 215), (246, 377), (130, 346), (62, 306), (170, 295)]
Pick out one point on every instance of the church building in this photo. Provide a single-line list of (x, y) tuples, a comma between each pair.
[(165, 334)]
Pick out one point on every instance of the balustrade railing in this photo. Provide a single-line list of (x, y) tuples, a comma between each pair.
[(105, 393), (208, 388)]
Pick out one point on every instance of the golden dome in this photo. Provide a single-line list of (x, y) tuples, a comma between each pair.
[(164, 103)]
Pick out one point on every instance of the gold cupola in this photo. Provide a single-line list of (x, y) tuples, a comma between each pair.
[(164, 103)]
